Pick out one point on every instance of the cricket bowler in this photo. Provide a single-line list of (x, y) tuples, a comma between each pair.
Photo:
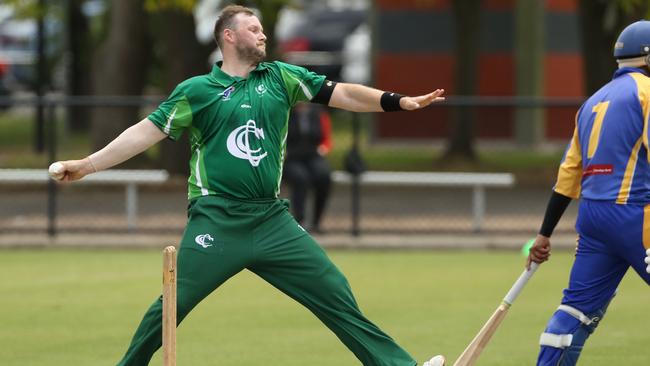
[(236, 118)]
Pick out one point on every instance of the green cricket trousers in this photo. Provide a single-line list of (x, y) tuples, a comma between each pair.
[(223, 236)]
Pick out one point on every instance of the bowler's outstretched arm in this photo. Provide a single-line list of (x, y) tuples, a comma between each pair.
[(129, 143), (360, 98)]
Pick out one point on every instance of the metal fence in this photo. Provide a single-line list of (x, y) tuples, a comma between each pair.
[(357, 209)]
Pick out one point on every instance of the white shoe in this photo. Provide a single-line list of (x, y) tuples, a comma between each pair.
[(437, 360)]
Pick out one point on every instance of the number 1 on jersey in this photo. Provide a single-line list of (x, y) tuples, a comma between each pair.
[(600, 109)]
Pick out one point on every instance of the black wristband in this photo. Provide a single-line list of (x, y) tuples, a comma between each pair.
[(554, 211), (390, 102)]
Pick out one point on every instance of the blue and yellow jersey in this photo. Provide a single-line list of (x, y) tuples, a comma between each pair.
[(607, 158)]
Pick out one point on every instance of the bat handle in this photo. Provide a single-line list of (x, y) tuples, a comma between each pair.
[(520, 283)]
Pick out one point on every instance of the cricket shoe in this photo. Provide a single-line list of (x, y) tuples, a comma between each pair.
[(437, 360)]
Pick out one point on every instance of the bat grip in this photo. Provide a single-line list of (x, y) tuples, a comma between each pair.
[(519, 284)]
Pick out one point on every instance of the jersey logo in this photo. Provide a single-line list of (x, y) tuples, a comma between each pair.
[(260, 89), (204, 240), (598, 169), (239, 143), (227, 93)]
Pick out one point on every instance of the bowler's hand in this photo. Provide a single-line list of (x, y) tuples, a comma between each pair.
[(413, 103), (540, 251), (76, 169)]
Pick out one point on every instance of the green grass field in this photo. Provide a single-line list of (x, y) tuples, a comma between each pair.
[(80, 307)]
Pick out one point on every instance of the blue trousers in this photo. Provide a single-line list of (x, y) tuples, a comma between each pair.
[(611, 239)]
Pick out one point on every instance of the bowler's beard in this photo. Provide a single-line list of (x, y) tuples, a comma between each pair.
[(252, 54)]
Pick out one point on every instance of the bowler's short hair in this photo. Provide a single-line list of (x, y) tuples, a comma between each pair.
[(226, 20)]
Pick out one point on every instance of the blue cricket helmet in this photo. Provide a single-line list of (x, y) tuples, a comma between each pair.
[(634, 41)]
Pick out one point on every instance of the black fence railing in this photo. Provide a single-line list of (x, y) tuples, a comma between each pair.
[(365, 214), (139, 100)]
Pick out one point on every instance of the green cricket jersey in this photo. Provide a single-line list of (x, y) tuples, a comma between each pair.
[(237, 127)]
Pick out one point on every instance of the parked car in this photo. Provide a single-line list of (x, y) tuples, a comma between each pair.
[(17, 49), (317, 37)]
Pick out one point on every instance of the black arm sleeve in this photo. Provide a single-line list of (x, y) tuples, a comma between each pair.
[(557, 204), (325, 93)]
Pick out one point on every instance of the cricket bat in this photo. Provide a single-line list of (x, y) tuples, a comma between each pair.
[(474, 349)]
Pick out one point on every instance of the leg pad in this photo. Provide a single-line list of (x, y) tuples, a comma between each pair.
[(566, 334)]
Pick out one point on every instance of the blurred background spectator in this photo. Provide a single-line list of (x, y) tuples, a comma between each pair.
[(3, 88), (305, 168)]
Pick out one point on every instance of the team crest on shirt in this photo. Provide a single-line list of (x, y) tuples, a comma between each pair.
[(227, 93), (239, 143), (260, 89)]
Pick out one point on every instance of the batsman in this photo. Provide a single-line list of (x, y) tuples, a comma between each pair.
[(606, 166), (236, 117)]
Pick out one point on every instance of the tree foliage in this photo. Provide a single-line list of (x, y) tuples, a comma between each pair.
[(26, 8), (160, 5), (632, 6), (467, 20), (128, 48), (601, 21)]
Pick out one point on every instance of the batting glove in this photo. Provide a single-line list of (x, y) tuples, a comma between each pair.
[(647, 260)]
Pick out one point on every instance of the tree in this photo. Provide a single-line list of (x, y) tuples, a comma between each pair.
[(467, 20), (182, 57), (529, 55), (79, 63), (119, 68), (601, 21)]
